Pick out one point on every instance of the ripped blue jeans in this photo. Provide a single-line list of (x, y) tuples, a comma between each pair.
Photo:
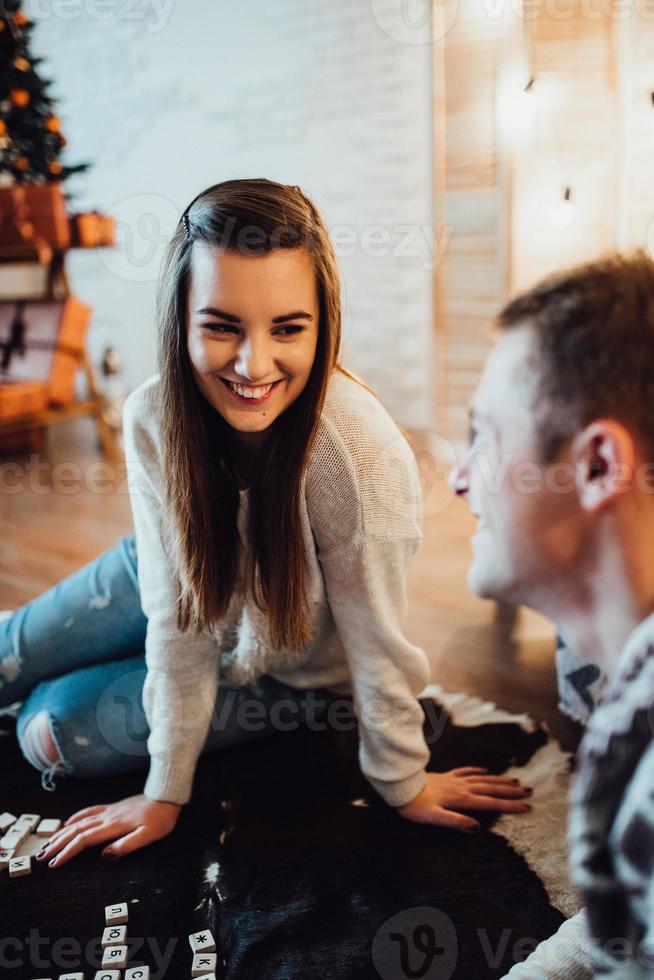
[(77, 652)]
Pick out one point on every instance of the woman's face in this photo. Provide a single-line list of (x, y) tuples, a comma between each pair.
[(252, 331)]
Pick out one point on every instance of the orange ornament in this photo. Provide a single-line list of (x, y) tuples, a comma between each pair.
[(22, 64), (21, 19), (3, 128), (19, 96), (62, 140), (22, 163), (53, 123), (55, 167)]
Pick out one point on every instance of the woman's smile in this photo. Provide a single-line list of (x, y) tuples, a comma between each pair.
[(250, 394)]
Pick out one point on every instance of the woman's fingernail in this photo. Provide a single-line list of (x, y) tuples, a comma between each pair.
[(53, 862), (109, 855)]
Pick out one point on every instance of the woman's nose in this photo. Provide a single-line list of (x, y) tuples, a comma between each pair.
[(253, 361)]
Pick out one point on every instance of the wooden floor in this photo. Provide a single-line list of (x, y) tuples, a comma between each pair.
[(62, 508)]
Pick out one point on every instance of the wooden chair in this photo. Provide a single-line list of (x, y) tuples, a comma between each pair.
[(94, 405)]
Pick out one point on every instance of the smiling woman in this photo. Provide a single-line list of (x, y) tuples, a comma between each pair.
[(276, 509), (253, 355)]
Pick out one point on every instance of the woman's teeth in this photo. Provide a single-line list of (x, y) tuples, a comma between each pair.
[(246, 392)]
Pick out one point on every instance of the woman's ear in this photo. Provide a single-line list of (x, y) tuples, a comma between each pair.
[(604, 456)]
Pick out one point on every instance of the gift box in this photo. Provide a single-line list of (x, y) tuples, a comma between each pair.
[(21, 398), (28, 440), (43, 340), (90, 229), (31, 213)]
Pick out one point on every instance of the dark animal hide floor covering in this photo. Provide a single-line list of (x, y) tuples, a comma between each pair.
[(300, 870)]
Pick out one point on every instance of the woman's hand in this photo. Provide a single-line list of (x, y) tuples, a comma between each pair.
[(469, 788), (131, 824)]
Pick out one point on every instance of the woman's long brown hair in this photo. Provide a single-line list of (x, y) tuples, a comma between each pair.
[(198, 445)]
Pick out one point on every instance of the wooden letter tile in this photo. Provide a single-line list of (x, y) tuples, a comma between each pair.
[(116, 915), (6, 820), (203, 963), (202, 942), (115, 956), (114, 936), (48, 827), (29, 820), (20, 866)]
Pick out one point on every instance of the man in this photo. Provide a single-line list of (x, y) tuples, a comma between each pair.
[(560, 474)]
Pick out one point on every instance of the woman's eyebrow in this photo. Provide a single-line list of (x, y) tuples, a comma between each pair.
[(299, 315), (222, 315)]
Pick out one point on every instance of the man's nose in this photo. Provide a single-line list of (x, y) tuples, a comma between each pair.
[(458, 481)]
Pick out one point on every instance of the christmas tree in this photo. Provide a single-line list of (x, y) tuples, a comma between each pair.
[(31, 140)]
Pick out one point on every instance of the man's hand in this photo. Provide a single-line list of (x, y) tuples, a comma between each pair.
[(131, 823), (469, 788)]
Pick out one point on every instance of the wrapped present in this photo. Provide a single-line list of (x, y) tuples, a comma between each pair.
[(34, 213), (21, 398), (91, 229), (43, 340), (28, 440)]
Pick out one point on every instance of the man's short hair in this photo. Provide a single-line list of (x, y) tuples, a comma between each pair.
[(594, 356)]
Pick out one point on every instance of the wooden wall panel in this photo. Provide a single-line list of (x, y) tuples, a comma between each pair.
[(471, 279), (588, 125)]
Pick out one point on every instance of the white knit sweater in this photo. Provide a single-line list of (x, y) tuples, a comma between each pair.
[(361, 520)]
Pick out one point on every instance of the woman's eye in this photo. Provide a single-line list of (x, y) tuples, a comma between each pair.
[(219, 327), (290, 330)]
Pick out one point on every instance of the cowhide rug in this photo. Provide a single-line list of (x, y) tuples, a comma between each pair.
[(301, 870)]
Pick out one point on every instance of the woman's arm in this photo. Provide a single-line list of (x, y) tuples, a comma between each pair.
[(564, 956), (364, 505), (365, 584), (181, 683), (366, 593)]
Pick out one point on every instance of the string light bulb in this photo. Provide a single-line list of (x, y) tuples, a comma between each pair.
[(563, 213), (518, 109)]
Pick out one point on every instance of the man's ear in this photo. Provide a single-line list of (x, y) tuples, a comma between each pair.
[(604, 456)]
